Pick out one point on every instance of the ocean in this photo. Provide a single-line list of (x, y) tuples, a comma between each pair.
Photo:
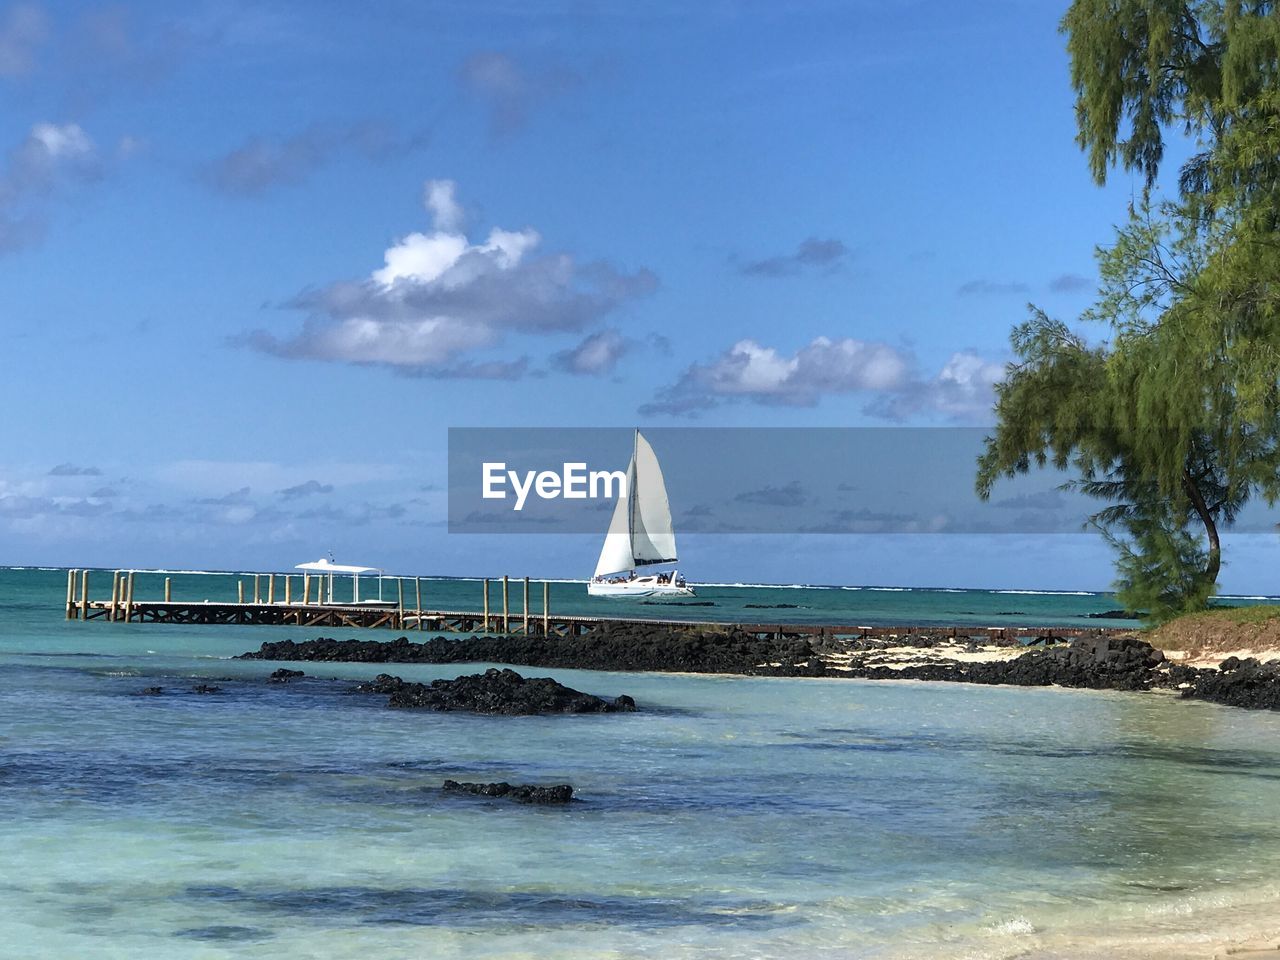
[(728, 817)]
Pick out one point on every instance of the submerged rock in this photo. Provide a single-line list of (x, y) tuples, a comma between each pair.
[(382, 683), (284, 675), (494, 691), (205, 688), (520, 793)]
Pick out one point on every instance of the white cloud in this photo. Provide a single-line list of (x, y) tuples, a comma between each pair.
[(962, 390), (440, 297), (60, 142), (750, 371), (446, 213), (596, 355), (428, 341), (49, 152), (421, 258), (49, 159)]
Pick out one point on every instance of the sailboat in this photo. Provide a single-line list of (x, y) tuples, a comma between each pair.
[(640, 535)]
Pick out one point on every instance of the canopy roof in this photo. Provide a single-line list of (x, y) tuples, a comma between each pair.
[(328, 566)]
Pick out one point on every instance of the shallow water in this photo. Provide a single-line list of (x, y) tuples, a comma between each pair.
[(730, 817)]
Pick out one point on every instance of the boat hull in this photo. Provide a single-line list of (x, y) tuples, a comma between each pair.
[(641, 587)]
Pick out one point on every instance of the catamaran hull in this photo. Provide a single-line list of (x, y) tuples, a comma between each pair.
[(637, 588)]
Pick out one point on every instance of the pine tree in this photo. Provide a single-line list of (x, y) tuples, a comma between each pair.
[(1176, 419)]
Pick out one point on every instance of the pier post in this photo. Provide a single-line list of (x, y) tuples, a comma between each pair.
[(306, 589), (257, 589), (486, 604), (271, 588), (168, 590), (400, 593), (128, 597), (84, 594), (240, 591), (506, 611), (546, 613), (115, 596), (526, 606), (288, 590), (71, 594), (417, 597)]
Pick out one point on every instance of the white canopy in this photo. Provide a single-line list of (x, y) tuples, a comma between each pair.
[(328, 566)]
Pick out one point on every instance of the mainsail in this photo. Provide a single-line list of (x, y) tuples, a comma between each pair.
[(640, 531)]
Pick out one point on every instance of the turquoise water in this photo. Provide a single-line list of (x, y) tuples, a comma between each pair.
[(720, 602), (730, 817), (735, 603)]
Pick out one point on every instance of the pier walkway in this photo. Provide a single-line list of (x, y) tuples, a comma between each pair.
[(306, 612)]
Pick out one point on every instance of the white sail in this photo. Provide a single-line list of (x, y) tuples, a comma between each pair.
[(652, 538), (615, 555)]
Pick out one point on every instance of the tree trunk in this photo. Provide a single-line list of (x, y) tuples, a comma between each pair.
[(1214, 563)]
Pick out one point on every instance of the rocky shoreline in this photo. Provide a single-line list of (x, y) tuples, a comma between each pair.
[(1095, 662), (625, 648)]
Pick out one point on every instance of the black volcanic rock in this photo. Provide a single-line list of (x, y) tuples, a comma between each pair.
[(495, 691), (610, 646), (1094, 661), (1098, 663), (520, 793), (1236, 683), (284, 675), (382, 683)]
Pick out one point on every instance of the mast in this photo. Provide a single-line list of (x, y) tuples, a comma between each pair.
[(632, 487)]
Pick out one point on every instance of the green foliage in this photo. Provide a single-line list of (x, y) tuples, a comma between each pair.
[(1138, 67), (1161, 567), (1176, 420)]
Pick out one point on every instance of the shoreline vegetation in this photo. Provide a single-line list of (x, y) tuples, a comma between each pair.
[(1235, 661)]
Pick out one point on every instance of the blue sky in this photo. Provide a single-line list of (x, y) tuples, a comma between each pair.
[(257, 258)]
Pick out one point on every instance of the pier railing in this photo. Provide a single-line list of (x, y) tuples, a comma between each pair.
[(274, 601)]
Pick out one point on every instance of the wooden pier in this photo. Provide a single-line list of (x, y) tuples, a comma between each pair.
[(301, 610)]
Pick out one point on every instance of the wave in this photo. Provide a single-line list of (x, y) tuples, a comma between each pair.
[(1051, 593), (759, 586)]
